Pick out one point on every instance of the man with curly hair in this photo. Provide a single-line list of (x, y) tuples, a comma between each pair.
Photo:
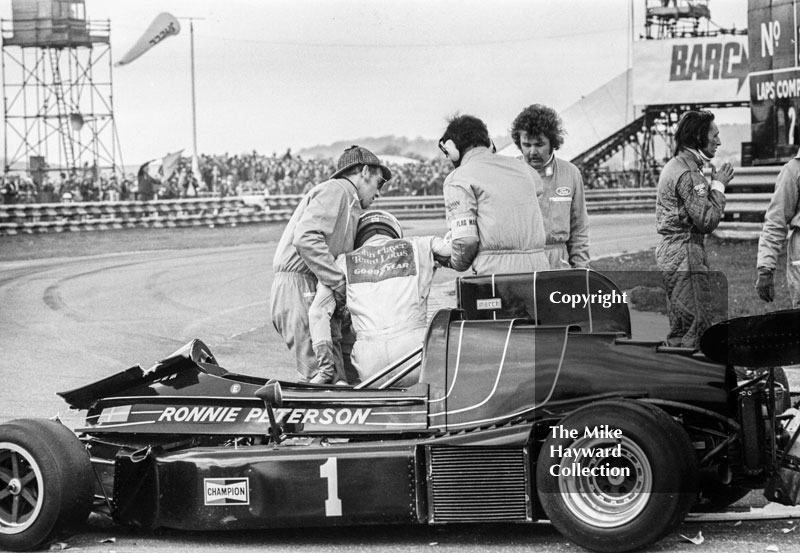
[(538, 132), (490, 202)]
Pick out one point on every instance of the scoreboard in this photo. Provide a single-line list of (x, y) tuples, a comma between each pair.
[(772, 29)]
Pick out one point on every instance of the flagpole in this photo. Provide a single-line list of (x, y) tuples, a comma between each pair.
[(195, 161)]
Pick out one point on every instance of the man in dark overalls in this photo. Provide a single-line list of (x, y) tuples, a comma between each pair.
[(688, 208)]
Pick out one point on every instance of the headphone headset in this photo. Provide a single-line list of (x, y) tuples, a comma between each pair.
[(449, 148)]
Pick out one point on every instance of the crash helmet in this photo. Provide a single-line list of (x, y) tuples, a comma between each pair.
[(377, 222)]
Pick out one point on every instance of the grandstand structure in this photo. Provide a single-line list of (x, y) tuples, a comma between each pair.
[(57, 91), (682, 61)]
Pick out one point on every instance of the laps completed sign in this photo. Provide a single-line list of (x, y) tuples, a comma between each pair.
[(774, 80), (690, 70)]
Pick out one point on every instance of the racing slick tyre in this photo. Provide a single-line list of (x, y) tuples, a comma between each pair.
[(46, 483), (630, 476)]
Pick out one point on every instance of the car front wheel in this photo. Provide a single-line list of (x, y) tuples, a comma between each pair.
[(46, 483)]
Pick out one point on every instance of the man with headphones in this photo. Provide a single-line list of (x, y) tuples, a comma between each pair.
[(388, 282), (538, 132), (321, 228), (688, 208), (491, 205)]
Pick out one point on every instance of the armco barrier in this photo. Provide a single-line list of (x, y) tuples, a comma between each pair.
[(748, 197), (754, 179), (35, 218)]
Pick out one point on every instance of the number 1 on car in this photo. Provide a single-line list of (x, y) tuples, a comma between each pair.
[(333, 505)]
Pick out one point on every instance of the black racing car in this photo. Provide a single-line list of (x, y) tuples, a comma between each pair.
[(529, 406)]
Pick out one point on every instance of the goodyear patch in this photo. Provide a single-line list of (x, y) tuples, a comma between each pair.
[(226, 491), (391, 259), (563, 191)]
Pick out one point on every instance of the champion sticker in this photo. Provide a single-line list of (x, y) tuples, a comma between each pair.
[(563, 191), (226, 491)]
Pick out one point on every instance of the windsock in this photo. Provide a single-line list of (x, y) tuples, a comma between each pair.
[(163, 25)]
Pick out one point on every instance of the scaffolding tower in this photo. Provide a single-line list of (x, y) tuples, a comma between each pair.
[(676, 18), (650, 137), (57, 91), (666, 20)]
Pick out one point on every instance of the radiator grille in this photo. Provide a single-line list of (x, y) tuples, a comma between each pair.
[(478, 484)]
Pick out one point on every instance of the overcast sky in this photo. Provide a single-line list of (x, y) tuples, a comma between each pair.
[(272, 74)]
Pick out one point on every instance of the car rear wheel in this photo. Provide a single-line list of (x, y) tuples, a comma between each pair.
[(616, 475), (46, 483)]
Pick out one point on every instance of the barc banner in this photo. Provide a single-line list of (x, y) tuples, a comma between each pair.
[(163, 26), (690, 70)]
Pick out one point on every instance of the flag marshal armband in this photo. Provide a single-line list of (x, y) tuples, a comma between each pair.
[(463, 227)]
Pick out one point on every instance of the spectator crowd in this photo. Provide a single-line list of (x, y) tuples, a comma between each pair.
[(85, 185), (220, 175), (290, 174)]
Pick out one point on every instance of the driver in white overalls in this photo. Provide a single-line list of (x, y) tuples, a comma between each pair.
[(388, 282)]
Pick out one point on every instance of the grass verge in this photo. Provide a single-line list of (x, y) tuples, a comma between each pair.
[(733, 260)]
